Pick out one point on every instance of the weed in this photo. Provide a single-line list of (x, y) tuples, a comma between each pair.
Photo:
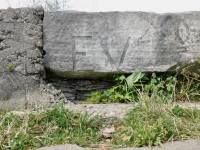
[(183, 85), (160, 87), (155, 122), (51, 127), (128, 88), (10, 67), (189, 84), (124, 91)]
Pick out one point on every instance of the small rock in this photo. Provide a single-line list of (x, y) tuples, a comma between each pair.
[(107, 131)]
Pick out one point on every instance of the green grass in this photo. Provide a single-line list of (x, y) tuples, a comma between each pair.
[(150, 122), (153, 121), (51, 127)]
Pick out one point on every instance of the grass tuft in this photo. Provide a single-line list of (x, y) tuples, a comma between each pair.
[(51, 127), (153, 122)]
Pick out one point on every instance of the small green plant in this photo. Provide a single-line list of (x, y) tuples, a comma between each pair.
[(124, 91), (161, 87), (128, 88), (183, 85), (10, 67)]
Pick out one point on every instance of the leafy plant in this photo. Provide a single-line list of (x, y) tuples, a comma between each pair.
[(124, 91), (134, 78), (128, 88), (162, 88), (182, 85)]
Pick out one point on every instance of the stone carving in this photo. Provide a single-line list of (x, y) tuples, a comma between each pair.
[(118, 42)]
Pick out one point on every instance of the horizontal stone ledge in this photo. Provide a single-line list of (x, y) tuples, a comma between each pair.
[(88, 74), (93, 45), (78, 75)]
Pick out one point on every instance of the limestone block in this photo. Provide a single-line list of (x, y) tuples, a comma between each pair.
[(91, 45)]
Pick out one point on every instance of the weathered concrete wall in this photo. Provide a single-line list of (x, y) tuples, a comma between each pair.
[(81, 46), (21, 58), (91, 45)]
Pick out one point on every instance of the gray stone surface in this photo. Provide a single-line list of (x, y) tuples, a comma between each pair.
[(193, 144), (176, 145), (21, 58), (62, 147), (91, 45)]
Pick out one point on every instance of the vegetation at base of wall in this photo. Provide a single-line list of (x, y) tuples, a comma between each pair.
[(183, 85), (153, 120), (150, 122)]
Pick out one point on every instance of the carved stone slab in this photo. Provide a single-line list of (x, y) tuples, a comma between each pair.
[(89, 45)]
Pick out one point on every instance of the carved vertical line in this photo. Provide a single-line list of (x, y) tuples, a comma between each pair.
[(107, 53), (124, 52), (73, 53)]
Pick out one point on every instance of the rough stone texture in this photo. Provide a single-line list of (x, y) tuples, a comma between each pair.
[(117, 110), (62, 147), (21, 58), (20, 33), (91, 45), (79, 90), (176, 145)]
